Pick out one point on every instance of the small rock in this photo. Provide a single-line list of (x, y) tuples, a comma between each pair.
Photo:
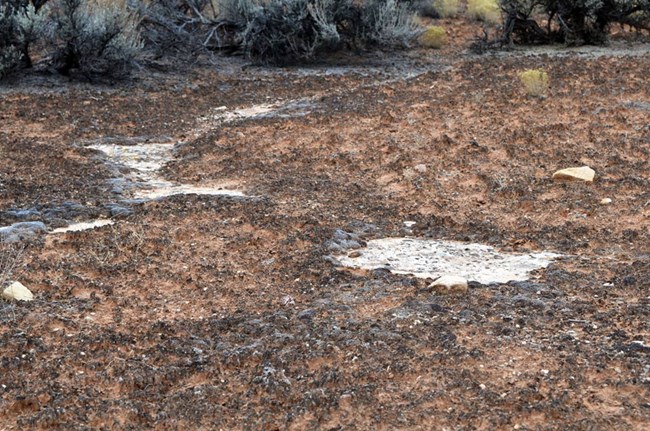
[(354, 254), (331, 259), (422, 168), (19, 231), (409, 174), (341, 235), (605, 201), (333, 246), (449, 284), (584, 173), (17, 292), (350, 244), (307, 314), (118, 210), (24, 214)]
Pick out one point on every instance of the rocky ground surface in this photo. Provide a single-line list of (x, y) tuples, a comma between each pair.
[(229, 312)]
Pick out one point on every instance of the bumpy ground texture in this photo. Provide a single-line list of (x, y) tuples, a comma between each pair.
[(223, 312)]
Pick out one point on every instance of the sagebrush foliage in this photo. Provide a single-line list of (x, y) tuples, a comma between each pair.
[(94, 37), (287, 31), (179, 26), (284, 31), (570, 21), (20, 26), (106, 37)]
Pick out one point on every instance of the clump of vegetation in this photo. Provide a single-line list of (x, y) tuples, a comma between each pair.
[(534, 81), (97, 37), (20, 26), (107, 37), (186, 27), (277, 31), (10, 260), (424, 8), (288, 31), (385, 23), (487, 11), (434, 37), (446, 8), (572, 22)]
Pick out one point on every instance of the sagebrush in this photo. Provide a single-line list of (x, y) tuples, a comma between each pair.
[(94, 37), (20, 26), (287, 31), (108, 37), (572, 22)]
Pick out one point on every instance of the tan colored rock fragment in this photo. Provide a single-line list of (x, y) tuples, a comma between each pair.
[(584, 173), (17, 292), (449, 284)]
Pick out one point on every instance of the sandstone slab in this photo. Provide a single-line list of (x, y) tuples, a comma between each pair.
[(583, 173), (449, 284), (17, 292)]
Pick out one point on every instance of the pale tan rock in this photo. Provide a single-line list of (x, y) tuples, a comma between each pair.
[(584, 173), (449, 284), (17, 292), (409, 174), (605, 201)]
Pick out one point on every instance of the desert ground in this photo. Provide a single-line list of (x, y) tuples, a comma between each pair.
[(232, 311)]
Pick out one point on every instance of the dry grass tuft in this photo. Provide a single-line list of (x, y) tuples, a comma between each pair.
[(434, 37), (535, 82), (484, 10), (446, 8)]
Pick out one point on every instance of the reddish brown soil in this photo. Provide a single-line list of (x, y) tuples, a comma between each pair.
[(199, 312)]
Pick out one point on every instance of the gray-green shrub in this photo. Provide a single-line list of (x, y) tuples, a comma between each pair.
[(288, 31), (570, 21), (95, 38), (20, 26)]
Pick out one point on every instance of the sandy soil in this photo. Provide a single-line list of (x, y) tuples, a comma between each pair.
[(204, 312)]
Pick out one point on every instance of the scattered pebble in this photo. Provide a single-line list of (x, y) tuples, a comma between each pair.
[(17, 292), (584, 173), (605, 201)]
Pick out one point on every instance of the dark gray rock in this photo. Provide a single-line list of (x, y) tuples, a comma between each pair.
[(24, 214), (307, 314), (20, 231), (118, 210)]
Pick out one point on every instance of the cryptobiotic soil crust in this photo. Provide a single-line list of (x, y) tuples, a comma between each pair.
[(232, 312)]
